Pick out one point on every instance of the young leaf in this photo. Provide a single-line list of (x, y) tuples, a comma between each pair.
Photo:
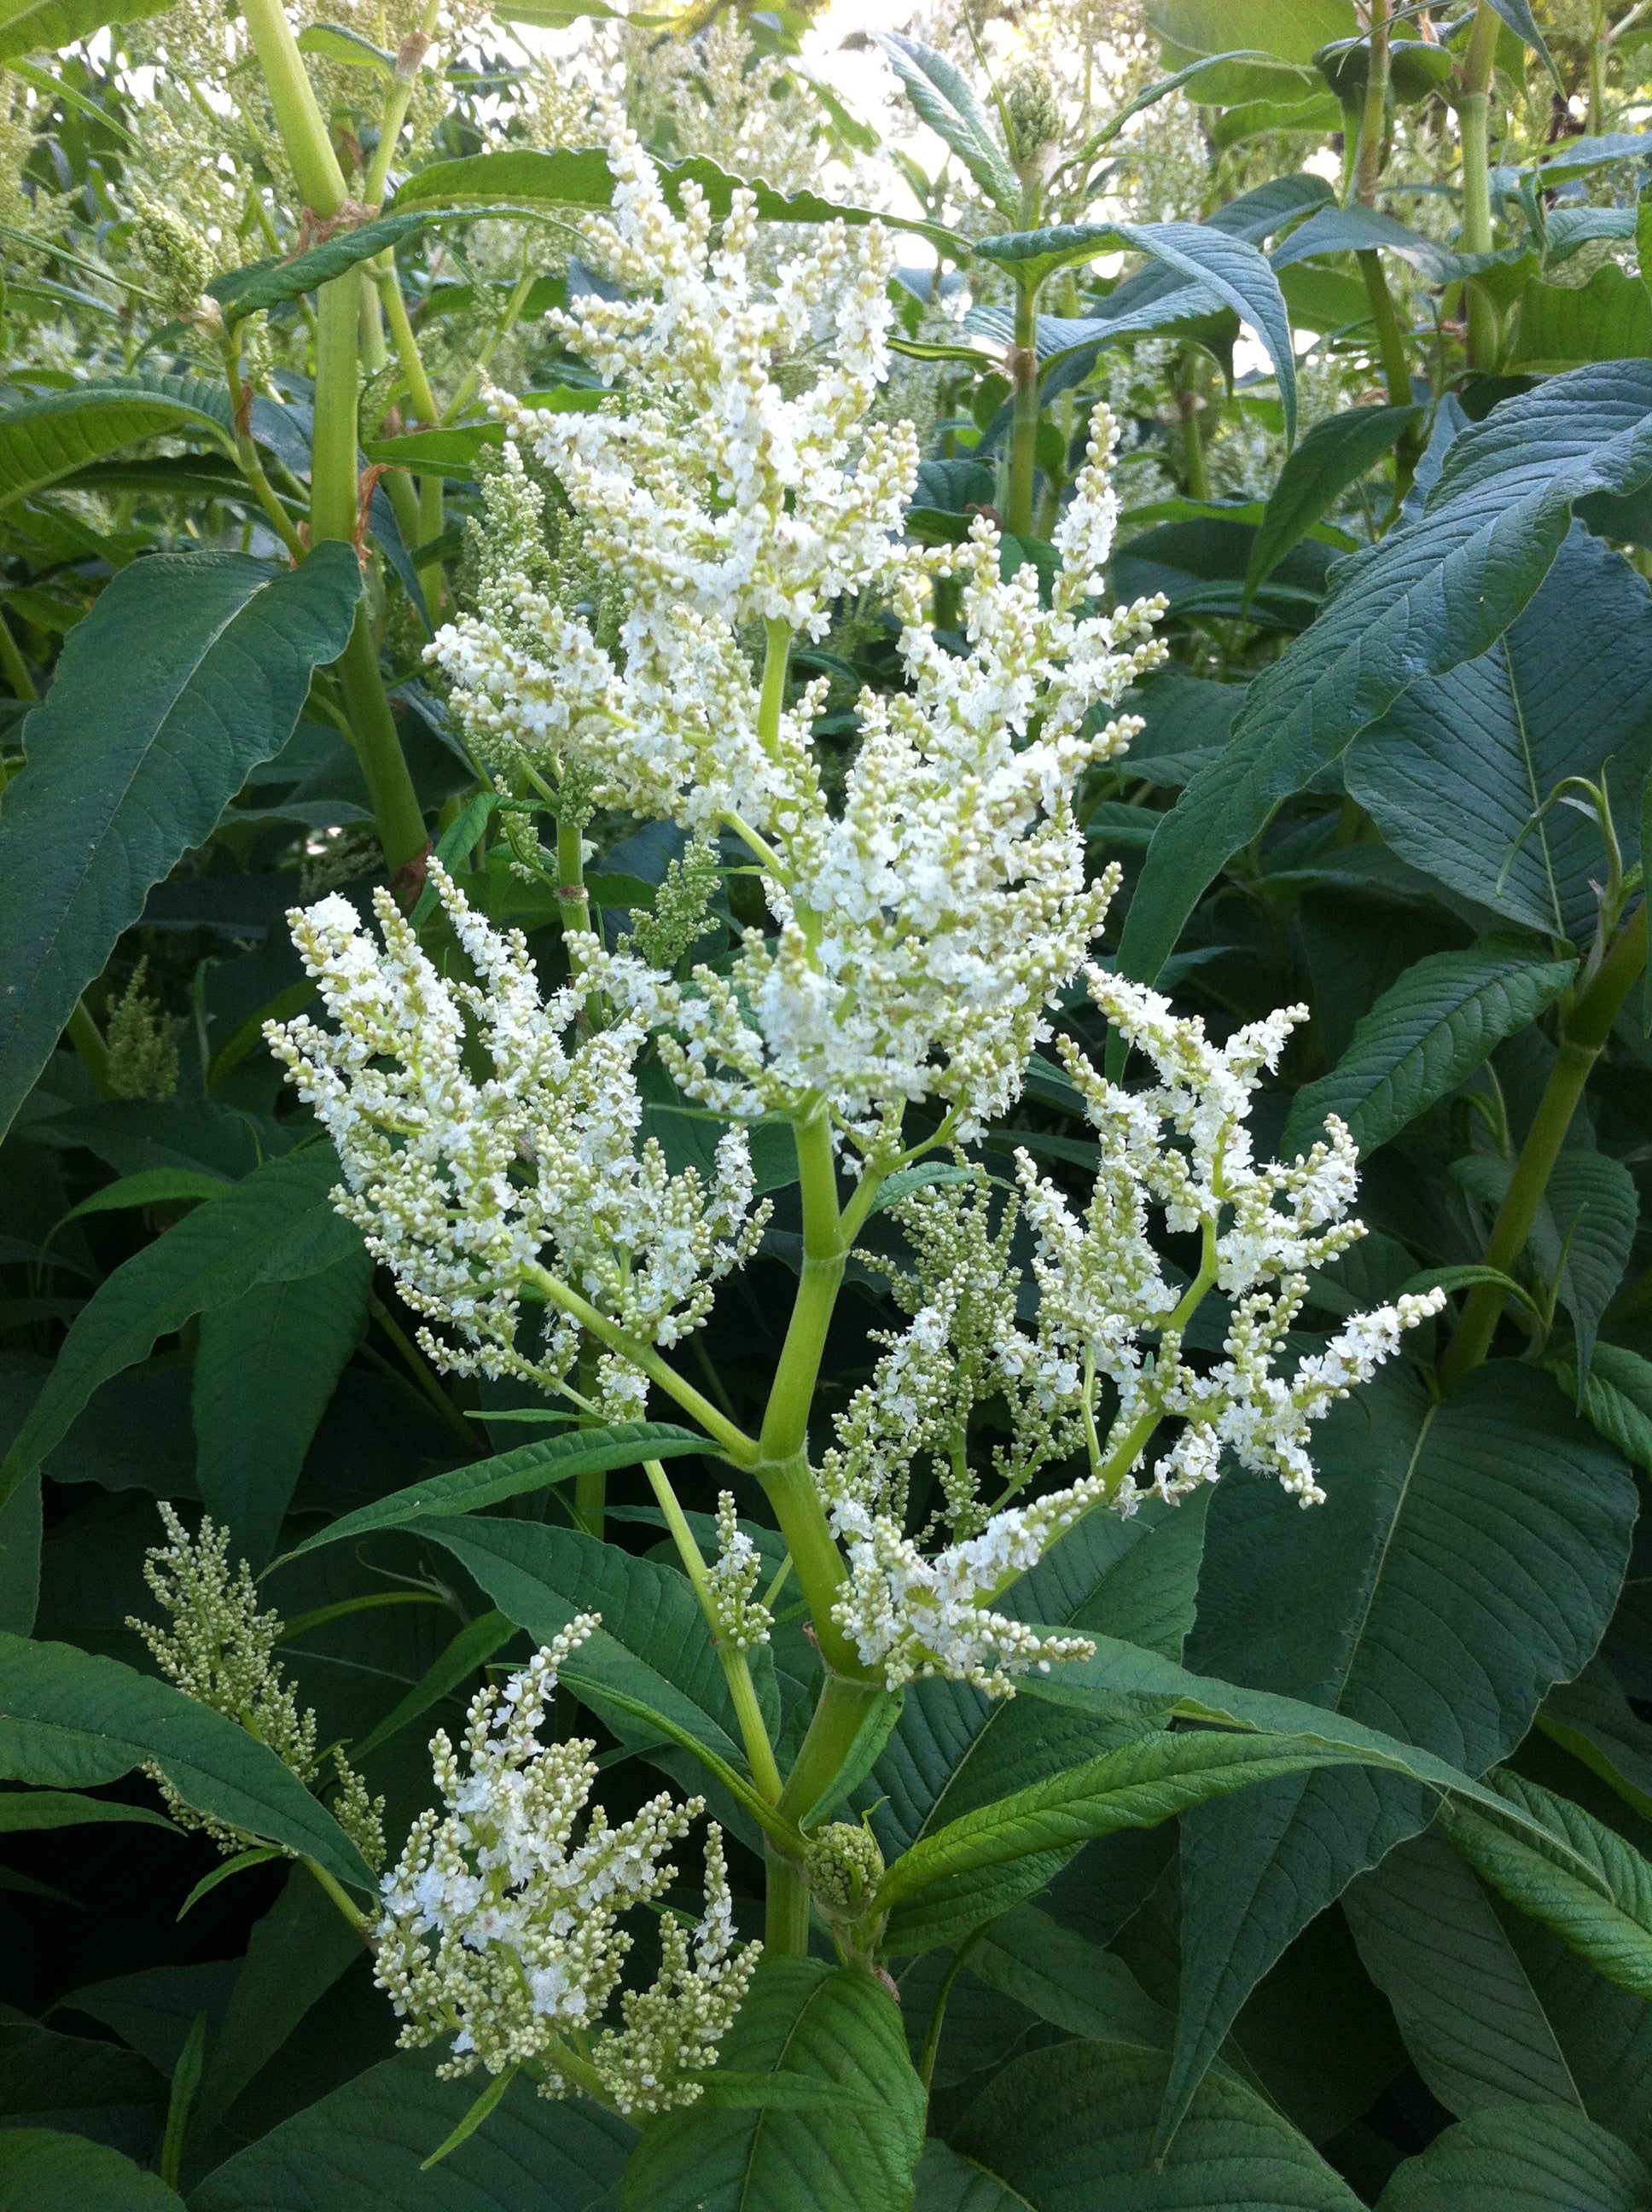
[(277, 1226), (1537, 2158), (1429, 1939), (1335, 454), (1070, 2129), (1584, 1236), (837, 2027), (1617, 1399), (1436, 593), (512, 1474), (1454, 772), (1425, 1035), (70, 1718), (1468, 1557), (363, 2149), (48, 2172), (942, 98), (191, 669)]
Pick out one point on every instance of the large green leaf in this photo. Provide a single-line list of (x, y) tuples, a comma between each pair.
[(1468, 1557), (191, 669), (265, 1366), (1579, 1878), (1454, 772), (1425, 1035), (1335, 454), (1289, 31), (1071, 2129), (1563, 326), (1584, 1236), (277, 1226), (1472, 2020), (1532, 2160), (1617, 1399), (44, 438), (1594, 1720), (363, 2149), (41, 2171), (1228, 267), (33, 26), (85, 2087), (1436, 593), (1359, 229), (521, 176), (942, 97), (512, 1474), (72, 1719), (838, 2028)]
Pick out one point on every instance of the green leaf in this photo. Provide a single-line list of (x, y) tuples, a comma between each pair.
[(1073, 1984), (41, 2171), (336, 44), (1561, 326), (151, 1187), (1580, 1878), (1584, 1234), (512, 1474), (837, 2026), (277, 1226), (1229, 267), (70, 1718), (1359, 229), (1468, 1557), (475, 1644), (1436, 593), (1617, 1399), (581, 178), (1453, 774), (1335, 454), (46, 438), (84, 2086), (30, 1809), (266, 1367), (1536, 2161), (1594, 1720), (244, 292), (191, 669), (1517, 14), (363, 2148), (1473, 2024), (1290, 31), (1071, 2129), (33, 26), (942, 96), (1425, 1035)]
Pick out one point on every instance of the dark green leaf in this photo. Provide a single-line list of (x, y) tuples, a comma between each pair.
[(1617, 1399), (43, 2171), (191, 669), (1530, 2160), (277, 1226), (942, 98), (243, 292), (1583, 1238), (84, 2086), (25, 1809), (836, 2026), (1436, 593), (1425, 1035), (1594, 1720), (44, 438), (1335, 454), (72, 1719)]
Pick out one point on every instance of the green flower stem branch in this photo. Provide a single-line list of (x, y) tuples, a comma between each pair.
[(1582, 1039), (334, 492), (1473, 118)]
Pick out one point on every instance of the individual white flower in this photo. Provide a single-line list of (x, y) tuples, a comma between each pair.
[(500, 1930), (460, 1181)]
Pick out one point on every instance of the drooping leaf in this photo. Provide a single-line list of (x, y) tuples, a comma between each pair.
[(72, 1719), (1468, 1557), (1429, 1938), (1425, 1035), (1454, 772), (942, 97), (243, 292), (23, 1810), (1335, 454), (363, 2150), (1584, 1235), (1071, 2129), (33, 26), (1617, 1399), (512, 1474), (1436, 593), (1538, 2159), (265, 1366), (191, 669), (837, 2027), (520, 176), (46, 2172), (1594, 1720), (277, 1226), (1582, 1879), (46, 438)]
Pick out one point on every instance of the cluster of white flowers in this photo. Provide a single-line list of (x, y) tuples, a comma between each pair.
[(923, 929), (1107, 1309), (740, 1619), (459, 1182), (500, 1932)]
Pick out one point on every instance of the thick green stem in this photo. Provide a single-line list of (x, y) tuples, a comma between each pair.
[(1473, 120), (372, 731), (1024, 428), (572, 894), (1598, 77), (1374, 120), (298, 115), (843, 1707), (1584, 1038)]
